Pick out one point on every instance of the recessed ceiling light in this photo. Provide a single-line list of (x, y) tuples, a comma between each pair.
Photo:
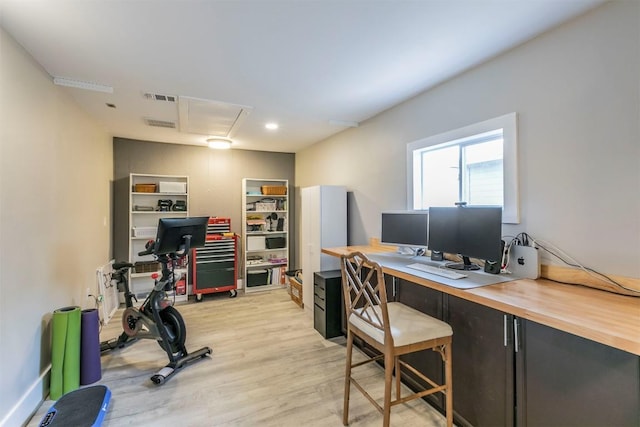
[(271, 126), (219, 143)]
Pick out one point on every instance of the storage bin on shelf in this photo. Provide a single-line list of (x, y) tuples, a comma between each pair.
[(144, 188), (265, 206), (172, 187), (255, 243), (145, 266), (257, 278), (275, 242), (273, 190), (145, 232)]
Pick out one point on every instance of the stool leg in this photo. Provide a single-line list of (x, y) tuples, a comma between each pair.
[(388, 377), (449, 380), (347, 379)]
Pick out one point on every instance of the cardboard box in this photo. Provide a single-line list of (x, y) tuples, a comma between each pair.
[(295, 291)]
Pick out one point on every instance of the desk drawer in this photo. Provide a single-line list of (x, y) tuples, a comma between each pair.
[(215, 278), (319, 290), (320, 320), (319, 301)]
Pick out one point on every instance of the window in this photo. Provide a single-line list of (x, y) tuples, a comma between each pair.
[(476, 164)]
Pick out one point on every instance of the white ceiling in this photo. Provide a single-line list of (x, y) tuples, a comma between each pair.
[(310, 65)]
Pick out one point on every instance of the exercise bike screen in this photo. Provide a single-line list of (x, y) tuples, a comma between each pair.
[(171, 233)]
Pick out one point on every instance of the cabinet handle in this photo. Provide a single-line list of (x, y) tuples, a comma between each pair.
[(506, 330), (516, 340)]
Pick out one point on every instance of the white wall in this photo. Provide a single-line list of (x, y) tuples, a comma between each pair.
[(576, 90), (55, 178)]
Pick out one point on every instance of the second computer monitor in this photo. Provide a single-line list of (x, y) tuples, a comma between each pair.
[(470, 231), (405, 229)]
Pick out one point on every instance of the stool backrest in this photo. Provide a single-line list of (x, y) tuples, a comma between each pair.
[(365, 294)]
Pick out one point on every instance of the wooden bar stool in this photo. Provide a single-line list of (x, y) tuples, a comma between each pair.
[(393, 329)]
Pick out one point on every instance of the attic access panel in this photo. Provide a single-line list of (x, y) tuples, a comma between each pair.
[(211, 118)]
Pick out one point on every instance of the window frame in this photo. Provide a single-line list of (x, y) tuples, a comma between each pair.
[(508, 124)]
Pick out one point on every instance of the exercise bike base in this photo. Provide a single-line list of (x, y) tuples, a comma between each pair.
[(116, 343), (163, 374)]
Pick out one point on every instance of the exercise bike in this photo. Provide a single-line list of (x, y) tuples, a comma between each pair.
[(156, 318)]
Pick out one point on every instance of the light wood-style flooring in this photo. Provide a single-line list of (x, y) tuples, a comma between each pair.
[(269, 367)]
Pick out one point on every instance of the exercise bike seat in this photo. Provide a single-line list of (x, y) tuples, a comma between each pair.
[(122, 264)]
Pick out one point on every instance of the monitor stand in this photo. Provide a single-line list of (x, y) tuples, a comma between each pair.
[(466, 264), (407, 250)]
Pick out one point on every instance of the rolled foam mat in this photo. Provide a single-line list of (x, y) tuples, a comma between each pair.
[(65, 351), (90, 368)]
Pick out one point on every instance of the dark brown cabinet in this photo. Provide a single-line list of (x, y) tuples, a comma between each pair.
[(483, 364), (509, 371), (565, 380)]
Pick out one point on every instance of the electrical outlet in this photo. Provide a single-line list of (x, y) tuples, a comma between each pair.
[(88, 292)]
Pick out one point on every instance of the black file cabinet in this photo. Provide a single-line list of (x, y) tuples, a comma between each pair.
[(328, 308)]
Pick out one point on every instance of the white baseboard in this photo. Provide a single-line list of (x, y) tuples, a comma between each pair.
[(28, 403)]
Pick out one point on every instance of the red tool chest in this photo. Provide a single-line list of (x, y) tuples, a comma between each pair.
[(214, 267)]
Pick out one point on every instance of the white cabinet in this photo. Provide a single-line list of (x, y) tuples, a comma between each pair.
[(323, 224), (152, 197), (265, 233)]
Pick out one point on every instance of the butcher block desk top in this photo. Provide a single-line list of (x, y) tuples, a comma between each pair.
[(597, 315)]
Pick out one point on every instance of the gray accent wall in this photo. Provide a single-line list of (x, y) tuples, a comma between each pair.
[(576, 90), (215, 180)]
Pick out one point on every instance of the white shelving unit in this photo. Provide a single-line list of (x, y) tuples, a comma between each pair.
[(323, 224), (265, 233), (144, 214)]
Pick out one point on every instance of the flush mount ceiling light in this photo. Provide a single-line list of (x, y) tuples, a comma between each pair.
[(271, 126), (219, 143)]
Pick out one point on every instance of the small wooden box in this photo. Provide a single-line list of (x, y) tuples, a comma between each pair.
[(295, 290)]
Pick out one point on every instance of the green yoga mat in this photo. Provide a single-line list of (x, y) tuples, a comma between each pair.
[(65, 351)]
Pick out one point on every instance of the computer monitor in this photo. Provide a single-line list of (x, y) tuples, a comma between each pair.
[(405, 229), (172, 232), (469, 231)]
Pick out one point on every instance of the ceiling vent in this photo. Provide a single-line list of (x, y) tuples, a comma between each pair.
[(160, 123), (211, 118), (159, 97)]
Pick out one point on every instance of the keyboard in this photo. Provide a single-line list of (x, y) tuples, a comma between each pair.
[(442, 272)]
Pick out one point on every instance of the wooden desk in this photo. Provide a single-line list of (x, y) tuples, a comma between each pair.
[(531, 352), (600, 316)]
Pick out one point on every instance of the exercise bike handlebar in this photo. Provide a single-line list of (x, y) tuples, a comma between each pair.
[(181, 252), (148, 248)]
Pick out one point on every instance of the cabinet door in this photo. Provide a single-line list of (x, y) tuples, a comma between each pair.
[(483, 363), (428, 362), (565, 380)]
